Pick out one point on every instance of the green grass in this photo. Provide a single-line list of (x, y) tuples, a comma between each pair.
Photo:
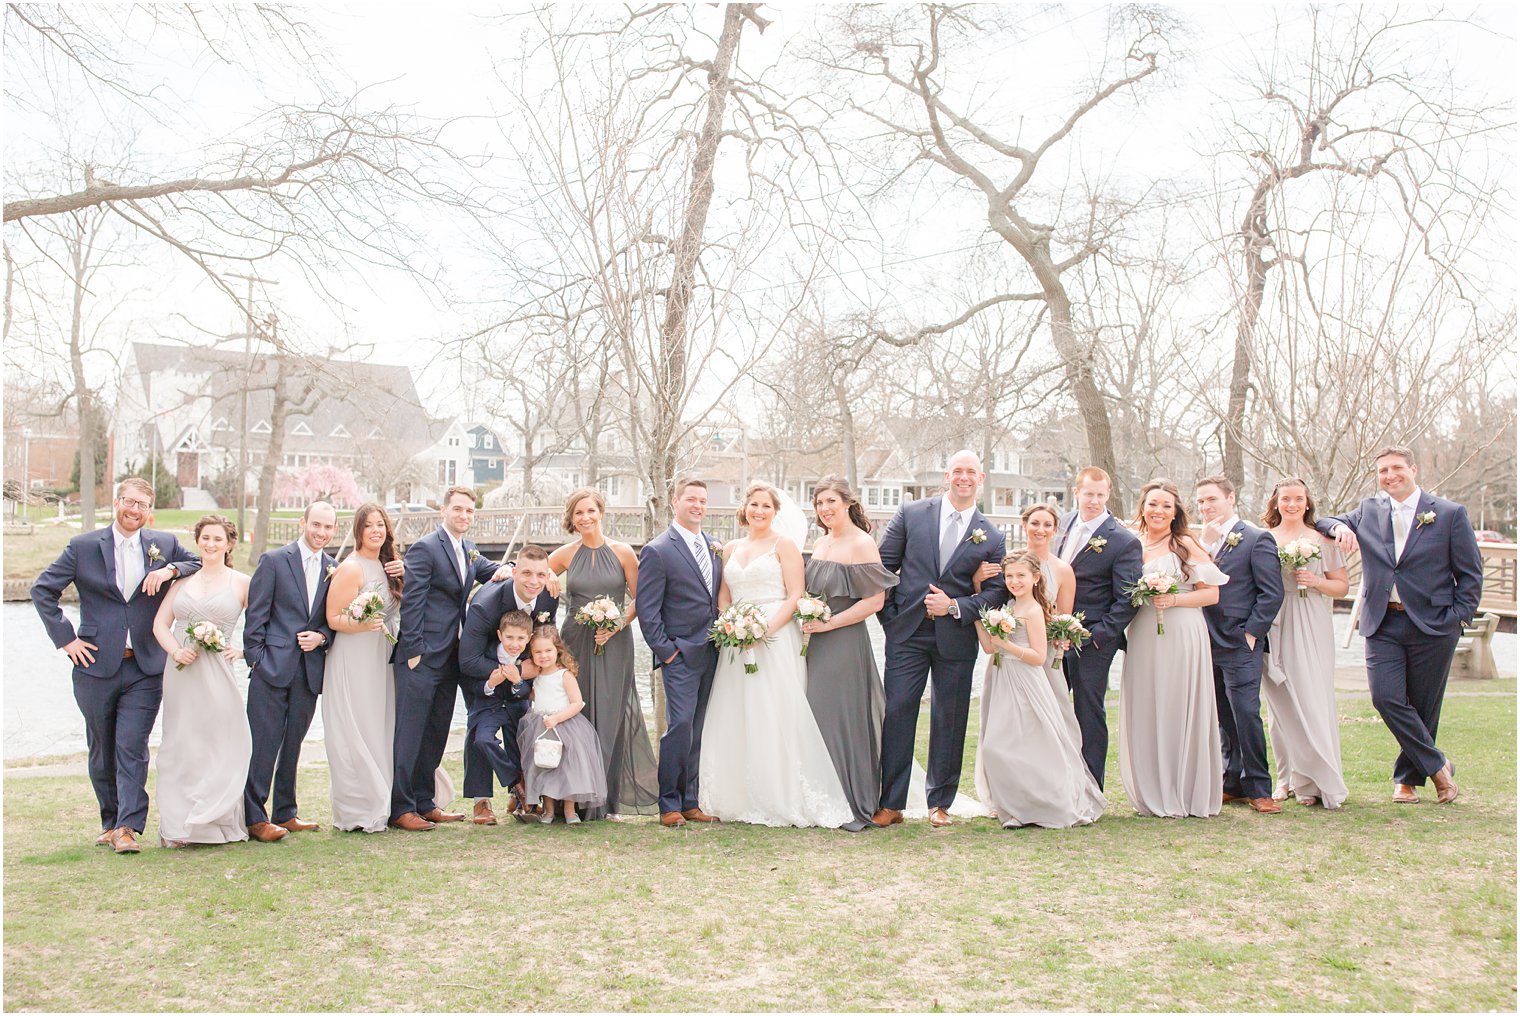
[(26, 554), (1376, 906)]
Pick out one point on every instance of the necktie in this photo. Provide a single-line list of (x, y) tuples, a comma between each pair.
[(459, 558), (129, 571), (702, 562), (311, 580), (948, 539), (1400, 531)]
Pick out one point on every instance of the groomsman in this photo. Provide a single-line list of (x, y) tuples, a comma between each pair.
[(1238, 625), (680, 572), (118, 573), (1422, 580), (441, 569), (1106, 557), (285, 640), (527, 591), (935, 546)]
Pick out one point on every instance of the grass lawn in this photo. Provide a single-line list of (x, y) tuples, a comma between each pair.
[(26, 554), (1377, 906)]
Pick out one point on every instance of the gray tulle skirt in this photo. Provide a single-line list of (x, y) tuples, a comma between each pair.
[(581, 775)]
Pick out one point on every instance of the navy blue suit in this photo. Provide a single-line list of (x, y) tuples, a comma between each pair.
[(1101, 576), (432, 609), (675, 614), (1247, 605), (498, 711), (118, 694), (283, 681), (1409, 651), (918, 645)]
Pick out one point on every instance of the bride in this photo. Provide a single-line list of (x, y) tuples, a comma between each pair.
[(763, 759)]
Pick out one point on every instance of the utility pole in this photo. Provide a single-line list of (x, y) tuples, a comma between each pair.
[(248, 337)]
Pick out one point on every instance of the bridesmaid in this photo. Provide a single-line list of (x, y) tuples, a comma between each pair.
[(358, 691), (593, 566), (1300, 669), (1169, 753), (844, 689), (206, 743)]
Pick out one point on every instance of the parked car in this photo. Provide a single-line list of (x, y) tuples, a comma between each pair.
[(1490, 536)]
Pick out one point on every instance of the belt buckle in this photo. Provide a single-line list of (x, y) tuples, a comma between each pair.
[(127, 653)]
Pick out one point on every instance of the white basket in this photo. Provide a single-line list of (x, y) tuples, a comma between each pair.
[(546, 753)]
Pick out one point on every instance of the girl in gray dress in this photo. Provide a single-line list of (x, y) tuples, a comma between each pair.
[(581, 777), (594, 566), (844, 689), (1299, 674)]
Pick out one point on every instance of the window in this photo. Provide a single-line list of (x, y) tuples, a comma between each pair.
[(340, 431), (220, 424), (301, 429), (487, 442), (447, 471), (493, 463), (454, 441), (262, 427), (610, 485), (374, 433), (873, 497)]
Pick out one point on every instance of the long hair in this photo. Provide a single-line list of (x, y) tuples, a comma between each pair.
[(387, 549), (1272, 518), (1029, 560), (562, 655), (227, 525), (1179, 528), (1028, 513), (755, 487), (838, 485)]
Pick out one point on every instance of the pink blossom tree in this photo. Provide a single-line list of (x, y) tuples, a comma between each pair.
[(318, 482)]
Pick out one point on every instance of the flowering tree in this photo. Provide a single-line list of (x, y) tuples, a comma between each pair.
[(318, 482)]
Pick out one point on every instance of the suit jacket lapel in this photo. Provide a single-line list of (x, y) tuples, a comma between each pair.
[(1075, 522), (1385, 527), (1224, 541), (108, 551), (932, 507), (1424, 504), (684, 549), (294, 560), (965, 540)]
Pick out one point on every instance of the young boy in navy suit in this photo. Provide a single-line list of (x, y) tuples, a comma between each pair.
[(498, 709)]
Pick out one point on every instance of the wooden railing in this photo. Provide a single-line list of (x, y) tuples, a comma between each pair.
[(1499, 573)]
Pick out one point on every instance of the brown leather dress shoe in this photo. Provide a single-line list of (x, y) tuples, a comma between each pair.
[(886, 817), (483, 813), (295, 825), (1265, 806), (125, 841), (697, 815), (1230, 798), (411, 822), (939, 818), (106, 838), (1403, 793), (266, 832), (1446, 787), (439, 815), (672, 819)]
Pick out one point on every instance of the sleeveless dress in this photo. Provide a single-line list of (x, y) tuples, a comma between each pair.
[(612, 698), (581, 775), (1298, 682), (844, 688), (359, 717), (1055, 675), (203, 754), (1169, 757), (1029, 767), (763, 759)]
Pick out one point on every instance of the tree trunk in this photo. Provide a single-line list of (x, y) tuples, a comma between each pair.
[(847, 435), (279, 412), (83, 398), (1253, 231), (1079, 378)]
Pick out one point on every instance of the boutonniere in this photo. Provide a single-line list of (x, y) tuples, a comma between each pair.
[(978, 536), (474, 555), (1096, 544), (1232, 541), (154, 554), (330, 570), (1424, 519), (717, 549), (543, 617)]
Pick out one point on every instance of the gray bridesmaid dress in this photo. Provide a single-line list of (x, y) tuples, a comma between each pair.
[(1298, 682), (844, 687), (607, 685)]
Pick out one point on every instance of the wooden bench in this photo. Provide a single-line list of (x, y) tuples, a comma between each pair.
[(1475, 653)]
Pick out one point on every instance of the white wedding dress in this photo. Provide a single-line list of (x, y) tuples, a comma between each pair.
[(763, 759)]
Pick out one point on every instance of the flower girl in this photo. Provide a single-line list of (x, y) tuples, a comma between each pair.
[(580, 777)]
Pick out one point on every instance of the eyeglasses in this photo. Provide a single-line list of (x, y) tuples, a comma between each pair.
[(132, 502)]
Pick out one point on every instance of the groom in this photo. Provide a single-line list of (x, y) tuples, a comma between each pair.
[(679, 574), (935, 546)]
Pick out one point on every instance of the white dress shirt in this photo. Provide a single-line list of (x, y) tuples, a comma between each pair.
[(129, 565), (1078, 535), (698, 546), (458, 546), (1224, 530), (1405, 510), (311, 567), (946, 509)]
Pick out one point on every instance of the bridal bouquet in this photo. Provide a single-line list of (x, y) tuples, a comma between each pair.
[(204, 635), (600, 614), (1151, 586), (742, 626), (1000, 624), (367, 606), (1297, 554), (1068, 628), (811, 607)]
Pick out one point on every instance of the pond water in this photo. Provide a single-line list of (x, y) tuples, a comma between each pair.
[(41, 717)]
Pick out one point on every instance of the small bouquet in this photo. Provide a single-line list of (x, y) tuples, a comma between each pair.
[(742, 626), (1297, 554), (811, 607), (1151, 586), (600, 614), (1000, 624), (367, 606), (1068, 628), (204, 635)]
